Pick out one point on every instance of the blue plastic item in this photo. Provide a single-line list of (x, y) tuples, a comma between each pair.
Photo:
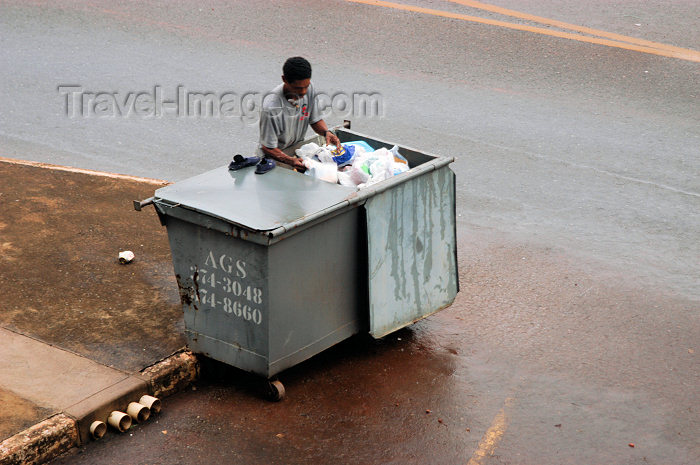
[(347, 155), (359, 143)]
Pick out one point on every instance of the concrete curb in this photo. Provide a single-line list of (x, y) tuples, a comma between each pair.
[(70, 169), (59, 433), (41, 442)]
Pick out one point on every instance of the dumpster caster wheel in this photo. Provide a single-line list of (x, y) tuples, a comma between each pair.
[(275, 391)]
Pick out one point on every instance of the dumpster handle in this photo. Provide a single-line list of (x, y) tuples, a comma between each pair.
[(138, 205)]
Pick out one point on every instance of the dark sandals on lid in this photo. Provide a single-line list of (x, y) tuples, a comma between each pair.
[(264, 166), (239, 161)]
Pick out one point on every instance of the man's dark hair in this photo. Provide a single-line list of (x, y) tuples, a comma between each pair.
[(296, 69)]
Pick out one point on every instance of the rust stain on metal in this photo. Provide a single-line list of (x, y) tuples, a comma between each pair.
[(185, 297), (195, 280)]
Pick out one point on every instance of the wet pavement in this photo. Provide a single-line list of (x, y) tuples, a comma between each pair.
[(545, 357), (576, 330), (538, 361)]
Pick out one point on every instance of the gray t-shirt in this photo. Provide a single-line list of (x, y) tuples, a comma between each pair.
[(283, 124)]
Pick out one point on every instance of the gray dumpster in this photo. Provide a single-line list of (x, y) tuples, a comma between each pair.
[(273, 269)]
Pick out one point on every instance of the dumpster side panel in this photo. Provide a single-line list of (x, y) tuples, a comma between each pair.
[(412, 251), (314, 290), (224, 293)]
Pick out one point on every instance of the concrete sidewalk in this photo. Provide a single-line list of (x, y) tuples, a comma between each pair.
[(81, 334)]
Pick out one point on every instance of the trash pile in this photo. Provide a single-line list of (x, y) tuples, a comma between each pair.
[(353, 164)]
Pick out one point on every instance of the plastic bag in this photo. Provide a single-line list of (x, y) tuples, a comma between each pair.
[(314, 151), (307, 150), (359, 144), (357, 174), (344, 155), (319, 162), (400, 168), (398, 158), (321, 170), (344, 179), (363, 165), (381, 166)]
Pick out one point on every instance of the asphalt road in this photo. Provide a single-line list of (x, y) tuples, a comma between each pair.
[(578, 202)]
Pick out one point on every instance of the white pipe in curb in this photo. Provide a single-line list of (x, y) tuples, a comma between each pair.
[(153, 403), (58, 434), (119, 421), (98, 429), (138, 412)]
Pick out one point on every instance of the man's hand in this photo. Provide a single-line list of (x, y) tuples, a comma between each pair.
[(299, 165), (321, 129), (280, 156), (332, 139)]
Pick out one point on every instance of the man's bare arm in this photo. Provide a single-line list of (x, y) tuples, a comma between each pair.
[(321, 129)]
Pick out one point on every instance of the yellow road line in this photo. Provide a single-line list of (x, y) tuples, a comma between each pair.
[(492, 436), (572, 27), (689, 55)]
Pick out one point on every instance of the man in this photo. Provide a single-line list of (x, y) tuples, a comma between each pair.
[(288, 111)]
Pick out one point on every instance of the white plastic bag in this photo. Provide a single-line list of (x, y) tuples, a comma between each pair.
[(398, 158), (381, 165), (357, 174), (325, 156), (307, 150), (400, 168), (367, 167), (345, 179), (324, 171), (319, 162)]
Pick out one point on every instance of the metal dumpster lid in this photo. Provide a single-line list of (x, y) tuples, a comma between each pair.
[(258, 202)]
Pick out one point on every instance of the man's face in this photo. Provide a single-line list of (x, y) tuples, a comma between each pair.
[(296, 88)]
